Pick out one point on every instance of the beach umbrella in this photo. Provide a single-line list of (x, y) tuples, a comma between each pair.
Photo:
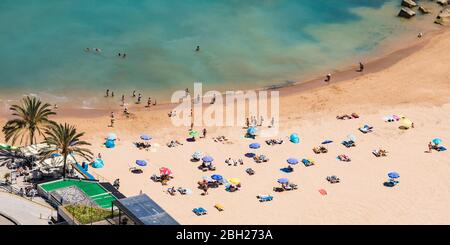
[(292, 161), (207, 159), (217, 177), (141, 163), (146, 137), (436, 141), (393, 175), (111, 136), (251, 131), (351, 137), (110, 144), (165, 171), (254, 146), (327, 142), (283, 181), (234, 181), (98, 163), (197, 155), (294, 138), (405, 122), (193, 133)]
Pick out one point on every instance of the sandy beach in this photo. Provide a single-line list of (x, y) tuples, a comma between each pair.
[(414, 82)]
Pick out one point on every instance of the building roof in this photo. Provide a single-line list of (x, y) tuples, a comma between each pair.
[(144, 211)]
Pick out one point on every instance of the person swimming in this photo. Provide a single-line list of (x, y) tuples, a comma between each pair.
[(197, 49)]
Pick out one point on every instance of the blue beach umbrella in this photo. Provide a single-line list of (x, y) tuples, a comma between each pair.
[(436, 141), (217, 177), (98, 163), (283, 181), (294, 138), (393, 175), (141, 163), (327, 142), (251, 131), (254, 146), (110, 144), (207, 159), (111, 136), (146, 137), (292, 161)]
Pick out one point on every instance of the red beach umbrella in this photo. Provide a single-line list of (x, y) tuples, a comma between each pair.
[(165, 171)]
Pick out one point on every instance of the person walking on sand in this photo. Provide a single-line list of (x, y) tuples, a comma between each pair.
[(99, 155), (430, 147), (361, 67), (262, 121), (247, 123), (149, 102), (107, 93), (112, 94), (154, 103), (112, 122), (204, 133), (272, 122), (134, 93)]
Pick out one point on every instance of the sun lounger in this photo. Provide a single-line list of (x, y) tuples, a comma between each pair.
[(250, 171), (333, 179), (348, 143), (366, 129), (200, 211), (219, 207), (307, 162), (265, 198), (320, 149), (344, 158), (278, 189), (379, 153)]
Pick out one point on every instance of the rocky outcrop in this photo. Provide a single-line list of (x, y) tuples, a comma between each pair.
[(409, 3), (443, 18), (442, 2), (406, 13), (424, 10)]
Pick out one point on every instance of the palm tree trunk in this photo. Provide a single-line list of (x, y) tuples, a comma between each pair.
[(65, 165), (31, 137)]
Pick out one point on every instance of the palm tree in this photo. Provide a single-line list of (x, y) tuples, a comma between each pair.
[(31, 119), (64, 140)]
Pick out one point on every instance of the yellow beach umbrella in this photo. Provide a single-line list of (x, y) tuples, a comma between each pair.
[(405, 122), (234, 181)]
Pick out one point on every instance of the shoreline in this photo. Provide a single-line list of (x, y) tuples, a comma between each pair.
[(391, 53)]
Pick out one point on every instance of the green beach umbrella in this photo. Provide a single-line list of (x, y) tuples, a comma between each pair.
[(193, 133)]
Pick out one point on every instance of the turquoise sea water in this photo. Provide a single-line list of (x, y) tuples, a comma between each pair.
[(243, 42)]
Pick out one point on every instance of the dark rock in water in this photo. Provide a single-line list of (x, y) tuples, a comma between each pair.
[(443, 18), (442, 2), (424, 10), (409, 3), (406, 13)]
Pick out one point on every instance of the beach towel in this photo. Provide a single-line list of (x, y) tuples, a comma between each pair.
[(323, 192)]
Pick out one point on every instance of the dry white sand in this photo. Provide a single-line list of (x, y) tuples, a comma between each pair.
[(417, 86)]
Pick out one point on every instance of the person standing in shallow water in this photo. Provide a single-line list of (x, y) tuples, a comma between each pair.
[(328, 78)]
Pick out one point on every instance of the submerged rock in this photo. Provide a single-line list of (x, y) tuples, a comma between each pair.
[(424, 10), (443, 18), (409, 3), (442, 2), (406, 13)]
